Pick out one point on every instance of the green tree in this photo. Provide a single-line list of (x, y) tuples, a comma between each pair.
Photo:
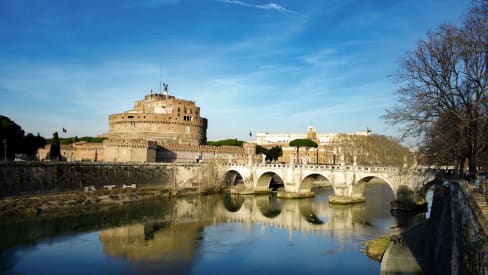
[(55, 151), (271, 154), (31, 143), (11, 136), (274, 153), (261, 150), (15, 140), (302, 142)]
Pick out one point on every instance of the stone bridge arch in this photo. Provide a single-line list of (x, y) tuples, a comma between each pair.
[(269, 180), (232, 178), (359, 186), (236, 175), (306, 183)]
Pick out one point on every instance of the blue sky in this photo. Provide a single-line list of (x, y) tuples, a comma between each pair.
[(265, 66)]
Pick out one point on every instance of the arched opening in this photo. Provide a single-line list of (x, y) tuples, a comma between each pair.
[(405, 201), (270, 181), (376, 184), (378, 195), (314, 181), (233, 178)]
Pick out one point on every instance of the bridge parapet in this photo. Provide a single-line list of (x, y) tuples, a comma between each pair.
[(348, 181)]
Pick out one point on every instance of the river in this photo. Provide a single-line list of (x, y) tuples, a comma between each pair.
[(215, 234)]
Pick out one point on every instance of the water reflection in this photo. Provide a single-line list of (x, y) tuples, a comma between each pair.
[(269, 206), (156, 247), (232, 203), (202, 235)]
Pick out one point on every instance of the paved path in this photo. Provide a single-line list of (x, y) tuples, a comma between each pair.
[(406, 258), (481, 198)]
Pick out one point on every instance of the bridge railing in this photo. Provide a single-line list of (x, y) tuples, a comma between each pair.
[(377, 169)]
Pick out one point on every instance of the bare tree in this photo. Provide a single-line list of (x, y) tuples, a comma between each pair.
[(442, 95), (372, 150)]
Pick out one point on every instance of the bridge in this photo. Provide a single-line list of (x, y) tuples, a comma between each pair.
[(348, 181)]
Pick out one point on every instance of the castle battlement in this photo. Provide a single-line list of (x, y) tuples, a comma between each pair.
[(205, 148)]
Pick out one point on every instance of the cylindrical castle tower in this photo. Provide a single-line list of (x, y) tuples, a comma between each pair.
[(161, 118)]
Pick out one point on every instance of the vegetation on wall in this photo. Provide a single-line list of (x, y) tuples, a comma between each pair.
[(70, 140), (226, 142)]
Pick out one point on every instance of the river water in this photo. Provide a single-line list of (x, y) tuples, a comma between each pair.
[(217, 234)]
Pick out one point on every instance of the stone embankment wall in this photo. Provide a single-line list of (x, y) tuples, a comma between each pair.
[(23, 178), (457, 241)]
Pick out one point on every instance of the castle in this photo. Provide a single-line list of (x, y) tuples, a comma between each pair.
[(160, 128), (160, 118)]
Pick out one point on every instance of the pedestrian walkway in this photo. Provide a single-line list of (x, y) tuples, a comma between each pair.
[(405, 257), (481, 198)]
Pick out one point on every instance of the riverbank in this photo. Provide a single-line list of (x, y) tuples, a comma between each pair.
[(377, 247), (406, 256), (34, 205)]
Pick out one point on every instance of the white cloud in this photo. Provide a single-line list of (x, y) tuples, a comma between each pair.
[(269, 6)]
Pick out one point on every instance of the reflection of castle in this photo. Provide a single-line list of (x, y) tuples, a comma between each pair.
[(174, 238), (160, 128)]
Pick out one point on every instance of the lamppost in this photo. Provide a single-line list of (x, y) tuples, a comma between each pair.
[(5, 148)]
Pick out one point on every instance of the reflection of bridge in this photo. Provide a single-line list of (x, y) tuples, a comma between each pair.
[(348, 182), (158, 239), (294, 215)]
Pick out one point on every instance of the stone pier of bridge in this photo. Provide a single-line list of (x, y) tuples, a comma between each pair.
[(348, 181)]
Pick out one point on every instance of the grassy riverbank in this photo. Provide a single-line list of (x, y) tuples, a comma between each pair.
[(377, 247)]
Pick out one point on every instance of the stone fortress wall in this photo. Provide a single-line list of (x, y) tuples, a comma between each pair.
[(160, 128)]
